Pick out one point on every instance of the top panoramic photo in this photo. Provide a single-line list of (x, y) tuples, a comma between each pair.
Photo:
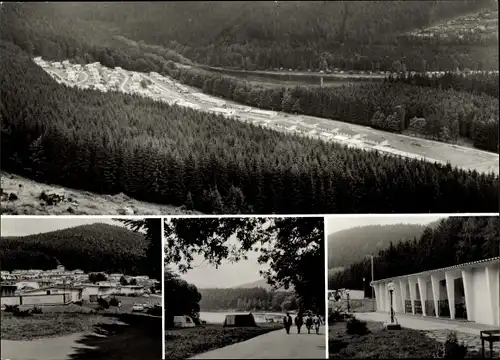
[(251, 107)]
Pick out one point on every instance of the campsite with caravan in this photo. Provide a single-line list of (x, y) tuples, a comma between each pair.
[(230, 283), (79, 288)]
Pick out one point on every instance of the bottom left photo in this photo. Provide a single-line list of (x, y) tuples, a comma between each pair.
[(81, 288)]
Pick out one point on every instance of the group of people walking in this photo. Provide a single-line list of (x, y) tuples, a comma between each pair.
[(310, 321)]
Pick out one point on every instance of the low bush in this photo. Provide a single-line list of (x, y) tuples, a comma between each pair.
[(11, 308), (36, 310), (113, 301), (22, 313), (452, 349), (156, 311), (356, 327)]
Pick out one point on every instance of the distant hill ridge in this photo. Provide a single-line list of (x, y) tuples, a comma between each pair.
[(93, 247), (262, 284), (349, 246)]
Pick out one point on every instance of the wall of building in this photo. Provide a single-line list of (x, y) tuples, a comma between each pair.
[(9, 300), (89, 291), (35, 300), (480, 309), (477, 287), (44, 299)]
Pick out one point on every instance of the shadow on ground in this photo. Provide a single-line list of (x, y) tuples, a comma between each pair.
[(140, 337)]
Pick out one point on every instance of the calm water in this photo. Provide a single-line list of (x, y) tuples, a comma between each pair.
[(219, 317)]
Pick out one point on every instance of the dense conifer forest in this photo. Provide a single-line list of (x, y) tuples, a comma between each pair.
[(250, 299), (361, 35), (348, 246), (91, 248), (113, 142), (449, 109), (454, 240)]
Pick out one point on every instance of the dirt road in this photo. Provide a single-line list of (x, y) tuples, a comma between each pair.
[(59, 348), (274, 345)]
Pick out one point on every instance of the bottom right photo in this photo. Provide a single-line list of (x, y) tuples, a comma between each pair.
[(413, 286)]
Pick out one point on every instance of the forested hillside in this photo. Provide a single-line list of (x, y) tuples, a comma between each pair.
[(94, 247), (247, 299), (454, 240), (455, 109), (302, 35), (348, 246), (113, 142), (258, 284)]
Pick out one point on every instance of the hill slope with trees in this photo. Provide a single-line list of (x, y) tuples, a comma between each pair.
[(247, 299), (348, 246), (454, 240), (302, 35), (91, 248), (168, 154), (452, 109)]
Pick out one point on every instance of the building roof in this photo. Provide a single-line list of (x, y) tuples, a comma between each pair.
[(54, 287), (453, 267)]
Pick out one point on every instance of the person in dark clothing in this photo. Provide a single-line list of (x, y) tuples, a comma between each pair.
[(299, 322), (309, 323), (287, 321)]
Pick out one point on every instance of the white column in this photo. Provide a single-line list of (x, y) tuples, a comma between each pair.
[(422, 287), (469, 305), (450, 290), (492, 279), (397, 297), (387, 298), (413, 296), (402, 289), (383, 298), (435, 293), (377, 297)]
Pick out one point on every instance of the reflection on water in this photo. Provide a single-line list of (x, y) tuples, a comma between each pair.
[(219, 317)]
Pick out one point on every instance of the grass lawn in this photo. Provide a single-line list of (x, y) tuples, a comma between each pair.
[(383, 344), (380, 343), (49, 324), (184, 343)]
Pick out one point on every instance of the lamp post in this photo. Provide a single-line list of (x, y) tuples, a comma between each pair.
[(347, 296), (392, 325), (373, 278)]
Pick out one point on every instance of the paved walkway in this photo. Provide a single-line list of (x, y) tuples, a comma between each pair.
[(274, 345), (438, 329), (59, 348)]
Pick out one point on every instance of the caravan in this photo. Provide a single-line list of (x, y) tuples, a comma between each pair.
[(183, 321)]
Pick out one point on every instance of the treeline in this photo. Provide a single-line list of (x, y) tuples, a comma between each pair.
[(454, 241), (362, 35), (444, 115), (249, 299), (91, 248), (181, 298), (348, 246), (479, 83), (168, 154)]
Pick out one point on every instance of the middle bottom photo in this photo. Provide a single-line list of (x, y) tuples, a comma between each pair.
[(245, 288)]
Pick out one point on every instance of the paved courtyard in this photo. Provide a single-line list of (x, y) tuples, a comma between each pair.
[(438, 329), (472, 341)]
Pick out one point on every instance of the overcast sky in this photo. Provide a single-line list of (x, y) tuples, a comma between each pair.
[(18, 226), (227, 275), (334, 224)]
